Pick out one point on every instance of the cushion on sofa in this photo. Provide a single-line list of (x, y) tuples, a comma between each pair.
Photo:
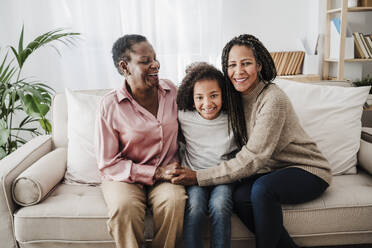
[(34, 184), (331, 115), (81, 160)]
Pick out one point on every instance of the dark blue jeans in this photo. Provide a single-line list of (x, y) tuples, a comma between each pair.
[(258, 199), (214, 201)]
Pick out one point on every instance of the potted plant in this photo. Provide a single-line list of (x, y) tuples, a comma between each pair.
[(366, 81), (21, 96)]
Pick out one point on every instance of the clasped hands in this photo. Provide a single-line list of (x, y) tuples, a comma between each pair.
[(176, 174)]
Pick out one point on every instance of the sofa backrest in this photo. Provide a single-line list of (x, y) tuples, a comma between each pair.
[(60, 116)]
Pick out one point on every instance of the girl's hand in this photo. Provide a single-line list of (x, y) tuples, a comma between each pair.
[(184, 176)]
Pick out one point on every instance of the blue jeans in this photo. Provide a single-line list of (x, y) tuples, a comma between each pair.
[(258, 199), (218, 199)]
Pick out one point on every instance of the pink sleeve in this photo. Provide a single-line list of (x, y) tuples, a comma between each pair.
[(111, 164)]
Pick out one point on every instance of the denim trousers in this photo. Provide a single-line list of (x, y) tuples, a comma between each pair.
[(258, 199), (215, 202)]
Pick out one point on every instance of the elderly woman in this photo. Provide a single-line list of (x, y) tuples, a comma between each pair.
[(137, 142), (277, 162)]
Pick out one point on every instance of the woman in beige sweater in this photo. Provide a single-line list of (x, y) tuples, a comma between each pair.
[(277, 162)]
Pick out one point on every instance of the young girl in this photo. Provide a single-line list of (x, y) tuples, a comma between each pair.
[(204, 127)]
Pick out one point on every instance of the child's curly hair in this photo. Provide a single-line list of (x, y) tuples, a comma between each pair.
[(196, 72)]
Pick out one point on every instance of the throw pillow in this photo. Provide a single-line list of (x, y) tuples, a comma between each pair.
[(81, 160), (34, 184), (331, 115)]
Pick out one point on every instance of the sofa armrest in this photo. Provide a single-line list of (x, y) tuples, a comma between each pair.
[(37, 181), (365, 154), (10, 167)]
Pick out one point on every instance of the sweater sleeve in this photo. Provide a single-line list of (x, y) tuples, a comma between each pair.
[(262, 142)]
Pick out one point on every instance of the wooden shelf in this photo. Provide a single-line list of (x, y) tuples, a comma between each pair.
[(343, 13), (302, 77), (360, 9), (355, 9), (348, 60)]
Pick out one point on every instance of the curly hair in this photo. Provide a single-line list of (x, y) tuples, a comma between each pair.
[(123, 46), (234, 99), (196, 72)]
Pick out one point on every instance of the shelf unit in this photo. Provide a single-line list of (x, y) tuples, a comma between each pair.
[(341, 59)]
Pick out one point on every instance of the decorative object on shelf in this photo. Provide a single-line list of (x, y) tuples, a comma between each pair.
[(21, 96), (288, 63), (335, 33), (352, 3)]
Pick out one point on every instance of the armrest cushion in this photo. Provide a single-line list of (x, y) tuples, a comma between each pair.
[(365, 154), (34, 184), (10, 167)]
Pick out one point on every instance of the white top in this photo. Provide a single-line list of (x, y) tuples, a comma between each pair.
[(206, 140)]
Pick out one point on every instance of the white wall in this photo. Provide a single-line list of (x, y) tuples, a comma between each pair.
[(279, 24)]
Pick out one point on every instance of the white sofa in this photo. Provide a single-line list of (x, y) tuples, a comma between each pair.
[(76, 215)]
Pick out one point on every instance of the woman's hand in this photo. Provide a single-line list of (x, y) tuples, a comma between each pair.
[(163, 173), (183, 176)]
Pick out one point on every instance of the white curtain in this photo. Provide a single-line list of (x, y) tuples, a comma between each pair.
[(181, 32)]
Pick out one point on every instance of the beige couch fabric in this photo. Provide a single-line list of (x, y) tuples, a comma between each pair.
[(78, 212), (33, 185)]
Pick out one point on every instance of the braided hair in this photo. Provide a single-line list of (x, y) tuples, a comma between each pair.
[(234, 99)]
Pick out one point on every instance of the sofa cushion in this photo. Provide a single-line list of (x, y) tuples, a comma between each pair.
[(331, 115), (33, 184), (71, 212), (81, 160), (78, 212)]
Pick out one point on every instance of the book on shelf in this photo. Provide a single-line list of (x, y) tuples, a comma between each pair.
[(369, 54), (288, 63), (368, 40), (361, 51)]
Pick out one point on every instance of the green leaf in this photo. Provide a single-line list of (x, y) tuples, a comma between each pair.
[(4, 135), (4, 132), (20, 43), (18, 57), (33, 107), (42, 40), (2, 153), (13, 146), (26, 120), (45, 124), (6, 73), (50, 89)]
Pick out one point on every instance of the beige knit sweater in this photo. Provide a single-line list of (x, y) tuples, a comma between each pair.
[(275, 140)]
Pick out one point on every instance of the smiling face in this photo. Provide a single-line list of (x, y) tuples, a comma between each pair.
[(242, 69), (208, 98), (143, 68)]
